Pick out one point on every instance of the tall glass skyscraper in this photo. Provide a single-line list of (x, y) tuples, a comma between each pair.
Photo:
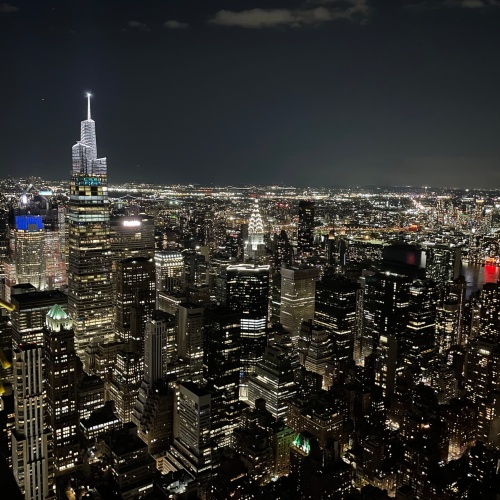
[(27, 258), (247, 293), (298, 289), (90, 294), (305, 229)]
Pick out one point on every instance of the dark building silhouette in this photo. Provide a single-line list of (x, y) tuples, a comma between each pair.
[(305, 229)]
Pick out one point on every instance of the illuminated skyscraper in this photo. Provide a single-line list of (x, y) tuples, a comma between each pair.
[(170, 273), (160, 347), (221, 369), (29, 316), (196, 268), (90, 293), (135, 286), (386, 355), (447, 323), (36, 244), (191, 322), (273, 381), (335, 311), (483, 387), (192, 446), (153, 410), (27, 259), (130, 236), (443, 262), (386, 305), (255, 247), (125, 383), (486, 311), (247, 292), (61, 378), (315, 348), (298, 289), (31, 443), (420, 334)]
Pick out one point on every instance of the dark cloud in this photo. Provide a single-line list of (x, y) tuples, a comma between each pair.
[(7, 8), (175, 25), (304, 16), (138, 26), (452, 4), (473, 4)]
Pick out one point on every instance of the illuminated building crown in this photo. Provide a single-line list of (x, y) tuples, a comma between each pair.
[(255, 224), (84, 152)]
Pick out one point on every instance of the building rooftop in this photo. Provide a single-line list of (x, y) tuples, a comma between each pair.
[(248, 267), (192, 387), (90, 382), (54, 296), (22, 288), (103, 415), (57, 312), (26, 347), (136, 260), (124, 441)]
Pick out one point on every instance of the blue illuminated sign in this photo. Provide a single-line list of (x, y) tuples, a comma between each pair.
[(88, 181), (29, 222)]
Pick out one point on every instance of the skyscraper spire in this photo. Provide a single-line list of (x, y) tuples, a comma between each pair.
[(255, 247), (255, 224), (85, 150), (89, 95)]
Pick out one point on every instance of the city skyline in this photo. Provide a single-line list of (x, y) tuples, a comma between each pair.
[(342, 344), (174, 336), (320, 93)]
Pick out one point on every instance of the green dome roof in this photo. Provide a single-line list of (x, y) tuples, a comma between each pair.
[(57, 312)]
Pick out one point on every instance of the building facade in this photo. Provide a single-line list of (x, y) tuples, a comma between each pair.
[(298, 289), (61, 375), (32, 461), (90, 291)]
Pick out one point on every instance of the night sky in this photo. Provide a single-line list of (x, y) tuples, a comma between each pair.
[(311, 93)]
